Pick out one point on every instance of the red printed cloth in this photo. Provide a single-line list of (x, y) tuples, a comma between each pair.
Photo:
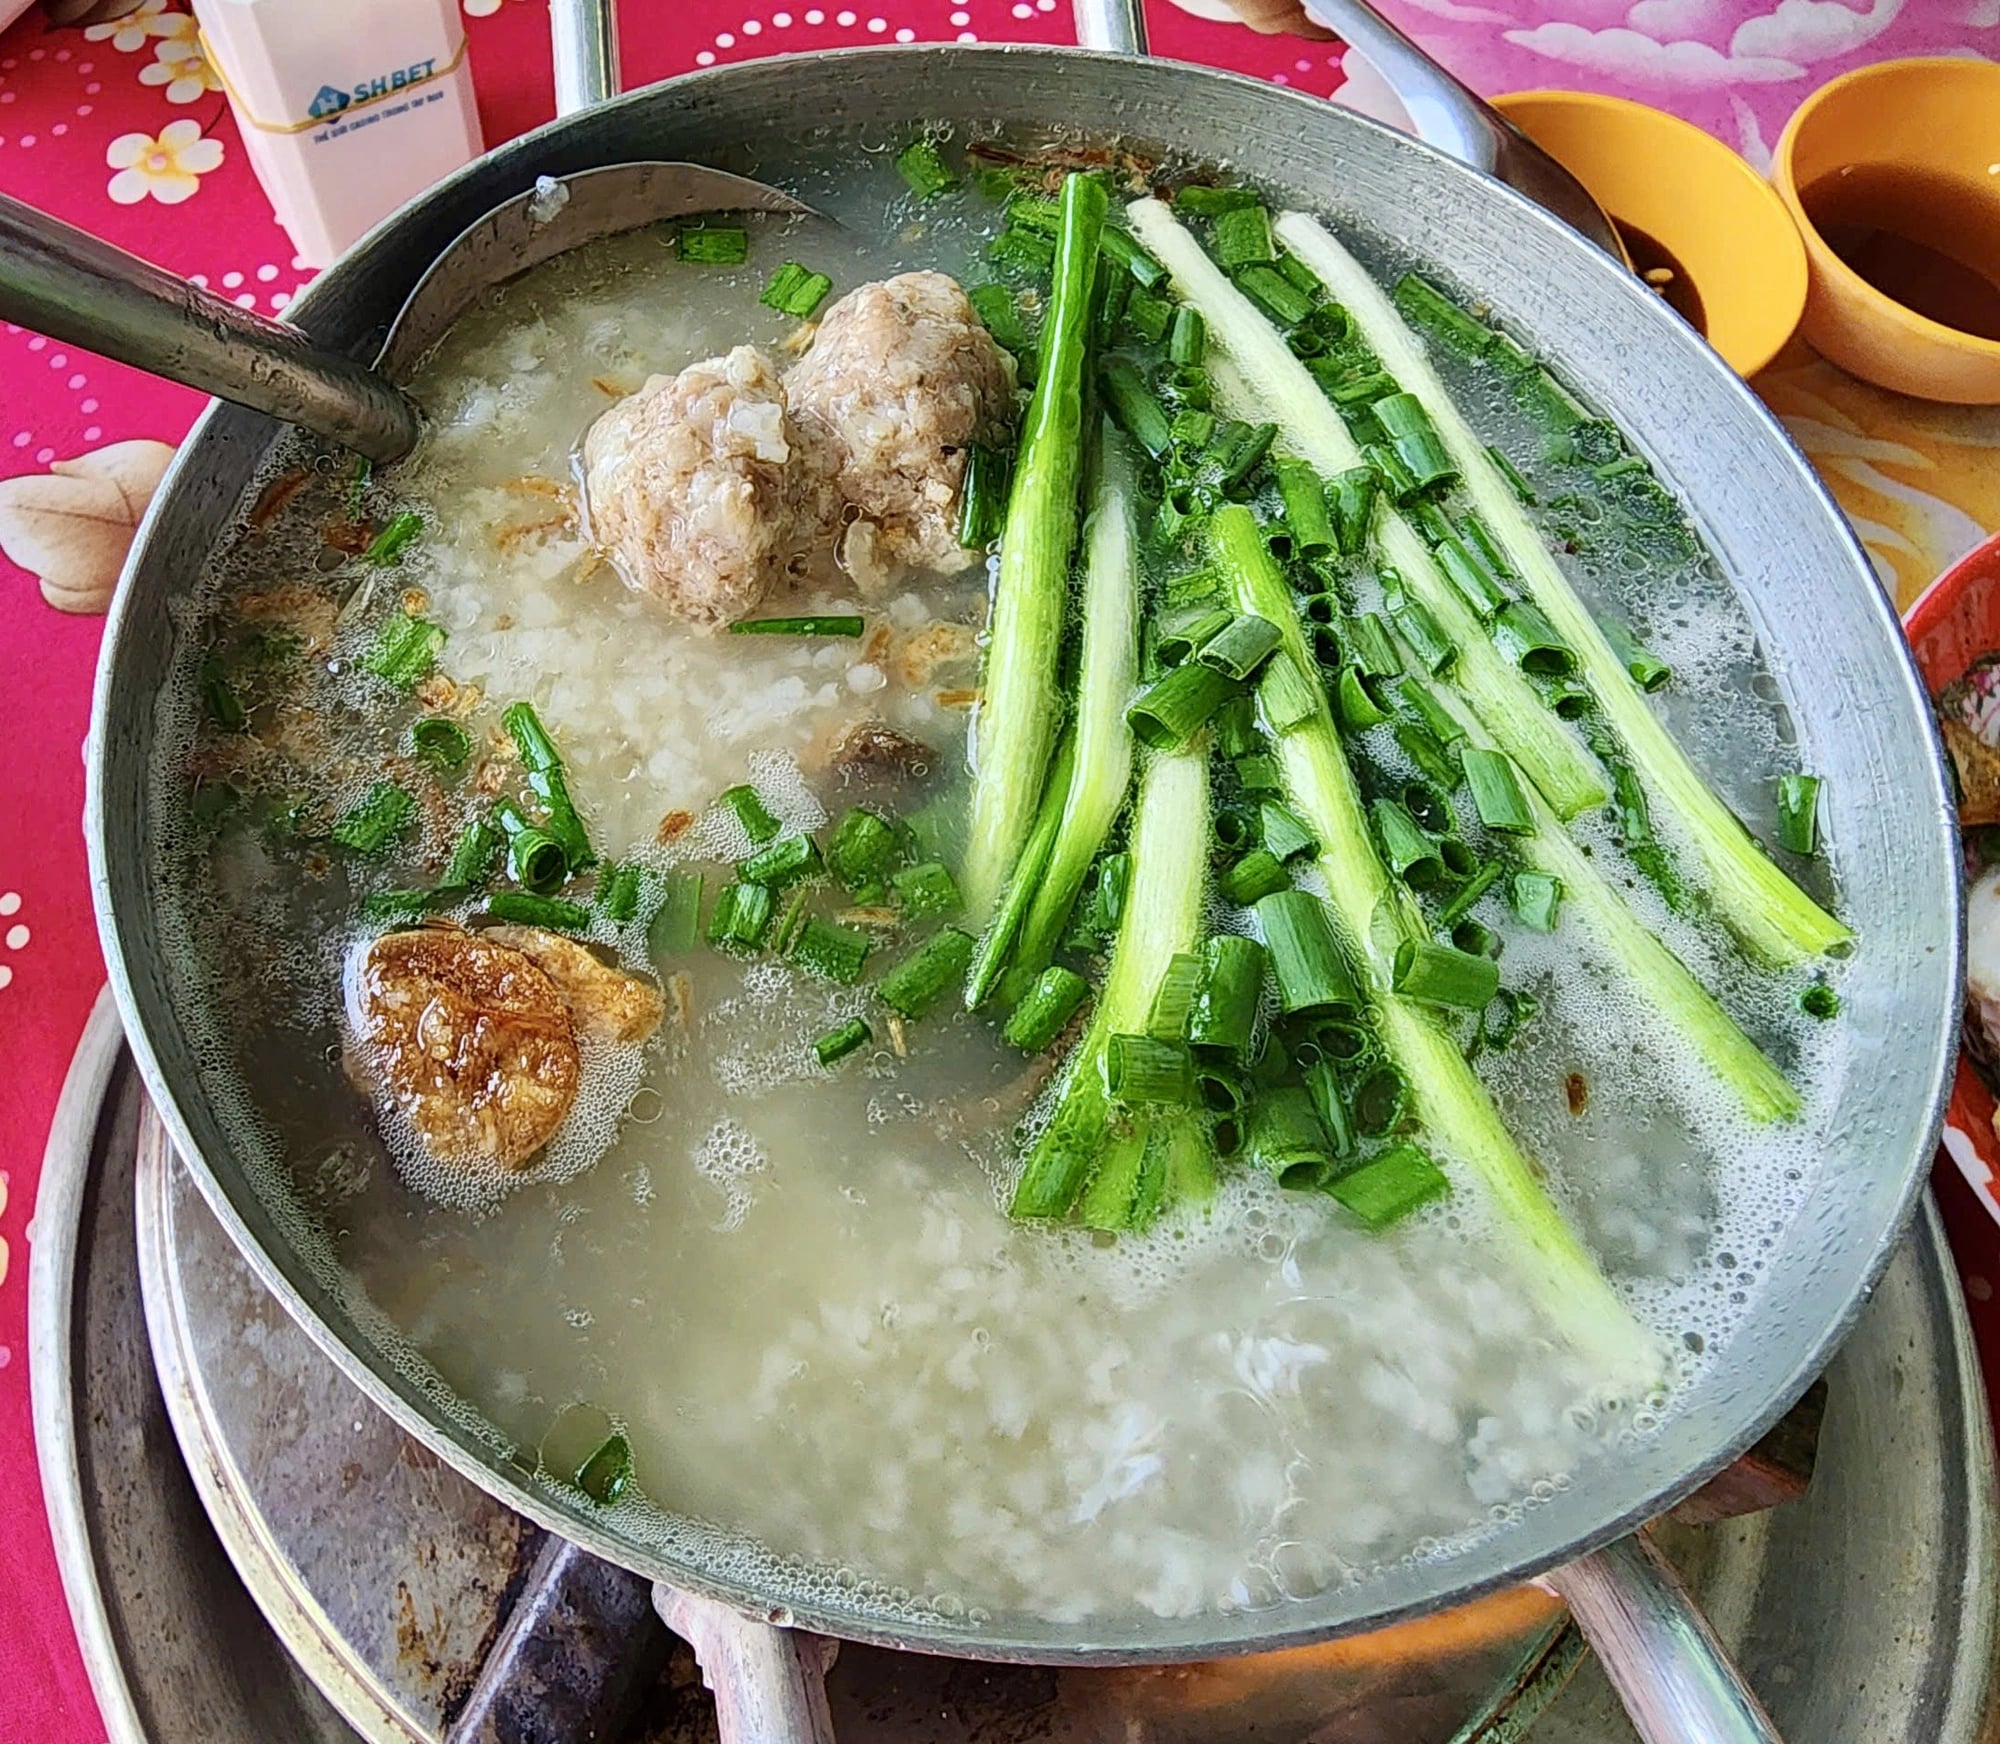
[(122, 128)]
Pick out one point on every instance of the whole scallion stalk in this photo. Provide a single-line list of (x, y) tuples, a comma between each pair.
[(1660, 977), (1021, 703), (1256, 375), (1750, 891), (1375, 915), (1102, 767), (1161, 919)]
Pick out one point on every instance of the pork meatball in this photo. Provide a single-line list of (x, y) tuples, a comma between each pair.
[(471, 1041), (689, 487), (902, 378)]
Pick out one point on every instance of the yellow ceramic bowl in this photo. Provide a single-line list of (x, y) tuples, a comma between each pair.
[(1688, 192), (1935, 126)]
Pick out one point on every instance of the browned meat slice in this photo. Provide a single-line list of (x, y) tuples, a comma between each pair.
[(469, 1039), (901, 379), (606, 1004), (873, 750), (689, 487)]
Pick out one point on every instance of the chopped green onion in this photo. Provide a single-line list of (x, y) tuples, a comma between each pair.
[(1504, 1017), (1306, 963), (995, 305), (862, 850), (917, 983), (1649, 672), (1242, 237), (1407, 849), (525, 908), (1240, 450), (1121, 250), (1356, 703), (1135, 407), (795, 290), (357, 485), (1374, 653), (1329, 1102), (1433, 761), (1820, 1001), (1351, 505), (1434, 649), (831, 951), (1290, 698), (1424, 305), (1476, 584), (1167, 1018), (1148, 317), (1241, 646), (1236, 732), (1140, 1068), (617, 896), (607, 1473), (1536, 896), (1476, 939), (790, 919), (742, 917), (1381, 1102), (387, 545), (926, 889), (404, 650), (442, 743), (1259, 773), (1223, 1014), (382, 814), (1388, 1187), (1187, 339), (1177, 706), (1476, 885), (1427, 804), (1046, 1008), (786, 859), (1443, 975), (472, 855), (1416, 440), (1283, 1137), (548, 783), (840, 624), (1192, 630), (1025, 251), (1526, 637), (677, 922), (1512, 474), (1307, 521), (1205, 201), (1392, 470), (714, 244), (1253, 877), (1443, 725), (750, 811), (535, 859), (1035, 212), (1496, 791), (224, 706), (842, 1040), (1284, 832), (1798, 813), (1275, 294)]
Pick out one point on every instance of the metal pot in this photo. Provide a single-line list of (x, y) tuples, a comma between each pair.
[(1831, 637)]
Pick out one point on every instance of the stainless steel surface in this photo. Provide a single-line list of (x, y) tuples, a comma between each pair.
[(81, 290), (1832, 640), (174, 1647), (585, 39), (1674, 1677), (1113, 26), (1456, 119), (1866, 1609)]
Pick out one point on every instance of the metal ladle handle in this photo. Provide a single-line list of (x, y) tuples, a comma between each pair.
[(74, 287)]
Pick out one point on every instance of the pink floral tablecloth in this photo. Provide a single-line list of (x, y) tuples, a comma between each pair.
[(123, 128)]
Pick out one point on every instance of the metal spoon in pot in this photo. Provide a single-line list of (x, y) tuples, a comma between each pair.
[(61, 281)]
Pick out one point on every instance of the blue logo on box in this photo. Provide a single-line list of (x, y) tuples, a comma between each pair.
[(328, 102)]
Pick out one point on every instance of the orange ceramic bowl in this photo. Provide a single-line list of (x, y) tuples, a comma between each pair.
[(1951, 624)]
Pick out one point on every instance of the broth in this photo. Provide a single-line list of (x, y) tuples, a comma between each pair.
[(797, 1292)]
